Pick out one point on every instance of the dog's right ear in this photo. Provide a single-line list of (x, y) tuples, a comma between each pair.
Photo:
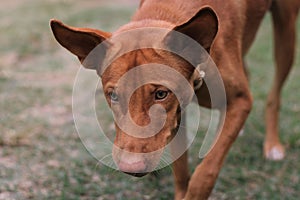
[(80, 41)]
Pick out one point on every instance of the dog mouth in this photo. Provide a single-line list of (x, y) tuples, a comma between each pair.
[(136, 164), (138, 175), (137, 169)]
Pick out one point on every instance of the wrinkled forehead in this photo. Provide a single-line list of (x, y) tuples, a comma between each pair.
[(125, 41), (132, 40), (131, 49), (144, 66), (135, 36), (140, 56)]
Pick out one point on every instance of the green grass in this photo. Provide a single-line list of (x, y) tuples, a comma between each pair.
[(41, 156)]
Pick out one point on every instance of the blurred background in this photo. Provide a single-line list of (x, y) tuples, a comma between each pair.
[(41, 156)]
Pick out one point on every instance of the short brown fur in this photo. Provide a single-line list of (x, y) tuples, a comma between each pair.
[(226, 29)]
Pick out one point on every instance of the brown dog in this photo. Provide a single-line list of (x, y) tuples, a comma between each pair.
[(226, 30)]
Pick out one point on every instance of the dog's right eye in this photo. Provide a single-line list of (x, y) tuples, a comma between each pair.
[(113, 96)]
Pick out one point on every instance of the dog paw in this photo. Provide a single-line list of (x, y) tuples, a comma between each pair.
[(275, 153)]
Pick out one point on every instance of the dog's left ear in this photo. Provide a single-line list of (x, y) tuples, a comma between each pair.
[(202, 27)]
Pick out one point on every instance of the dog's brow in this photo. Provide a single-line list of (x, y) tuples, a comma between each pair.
[(110, 85)]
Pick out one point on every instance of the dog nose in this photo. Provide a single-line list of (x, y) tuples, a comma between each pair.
[(137, 168)]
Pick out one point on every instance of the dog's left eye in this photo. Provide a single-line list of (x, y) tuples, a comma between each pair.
[(161, 94), (113, 96)]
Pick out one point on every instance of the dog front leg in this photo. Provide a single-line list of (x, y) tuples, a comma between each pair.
[(205, 175), (180, 165), (181, 176)]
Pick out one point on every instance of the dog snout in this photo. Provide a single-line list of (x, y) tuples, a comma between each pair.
[(132, 164), (136, 168)]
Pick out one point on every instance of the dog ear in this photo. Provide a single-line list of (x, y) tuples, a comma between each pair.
[(203, 27), (80, 41)]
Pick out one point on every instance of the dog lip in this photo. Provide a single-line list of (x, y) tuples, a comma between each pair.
[(139, 175), (131, 169)]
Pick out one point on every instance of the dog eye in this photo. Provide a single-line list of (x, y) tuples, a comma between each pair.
[(161, 94), (113, 96)]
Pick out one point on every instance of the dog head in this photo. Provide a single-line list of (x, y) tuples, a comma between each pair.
[(141, 93)]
